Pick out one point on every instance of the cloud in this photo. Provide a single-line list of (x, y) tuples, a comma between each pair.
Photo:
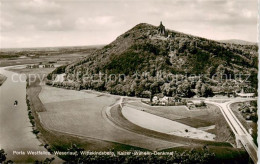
[(38, 7), (98, 23), (102, 21), (93, 21), (5, 24), (54, 24), (247, 13)]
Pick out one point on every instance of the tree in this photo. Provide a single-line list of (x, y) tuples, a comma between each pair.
[(153, 90), (203, 90), (78, 157), (118, 89), (133, 88), (198, 88), (184, 89), (206, 90), (146, 94), (2, 155), (166, 89)]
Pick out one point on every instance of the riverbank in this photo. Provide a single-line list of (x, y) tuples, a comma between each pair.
[(16, 130), (2, 79)]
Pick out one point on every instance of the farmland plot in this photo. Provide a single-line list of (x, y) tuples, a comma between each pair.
[(209, 119), (164, 125), (80, 113)]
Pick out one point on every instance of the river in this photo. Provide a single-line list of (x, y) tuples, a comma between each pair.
[(16, 130)]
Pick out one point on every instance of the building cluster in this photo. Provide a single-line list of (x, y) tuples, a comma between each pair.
[(167, 101), (40, 66), (176, 101), (249, 112), (244, 94)]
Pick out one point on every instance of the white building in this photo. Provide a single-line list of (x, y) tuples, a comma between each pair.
[(155, 99), (245, 95)]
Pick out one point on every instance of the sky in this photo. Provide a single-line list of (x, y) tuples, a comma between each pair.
[(50, 23)]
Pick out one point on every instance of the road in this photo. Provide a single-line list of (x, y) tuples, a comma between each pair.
[(240, 132)]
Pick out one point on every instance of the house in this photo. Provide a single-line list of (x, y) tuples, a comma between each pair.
[(245, 95), (155, 100), (159, 100), (190, 105), (248, 117), (32, 66), (197, 102), (164, 100)]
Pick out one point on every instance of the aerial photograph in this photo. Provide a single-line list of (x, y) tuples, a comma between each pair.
[(129, 81)]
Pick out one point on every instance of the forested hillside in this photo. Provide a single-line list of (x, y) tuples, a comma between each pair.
[(148, 60)]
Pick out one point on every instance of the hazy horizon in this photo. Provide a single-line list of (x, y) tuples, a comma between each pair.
[(96, 45), (62, 23)]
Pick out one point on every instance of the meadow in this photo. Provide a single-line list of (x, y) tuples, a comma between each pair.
[(209, 116), (81, 115), (164, 125)]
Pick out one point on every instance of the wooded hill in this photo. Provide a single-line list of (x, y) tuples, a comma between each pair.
[(144, 53)]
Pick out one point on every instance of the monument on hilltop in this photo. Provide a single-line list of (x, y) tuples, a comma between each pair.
[(161, 30)]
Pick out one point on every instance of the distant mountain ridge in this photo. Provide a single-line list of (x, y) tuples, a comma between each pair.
[(237, 41)]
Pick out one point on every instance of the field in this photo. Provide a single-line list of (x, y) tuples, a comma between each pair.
[(59, 55), (81, 114), (164, 125), (58, 141), (75, 108), (209, 118)]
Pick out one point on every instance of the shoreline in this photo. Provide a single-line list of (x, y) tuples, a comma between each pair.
[(2, 79), (30, 142)]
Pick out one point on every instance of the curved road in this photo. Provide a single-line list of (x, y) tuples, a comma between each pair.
[(240, 132)]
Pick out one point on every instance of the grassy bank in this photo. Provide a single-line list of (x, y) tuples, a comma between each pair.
[(2, 79), (207, 116)]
